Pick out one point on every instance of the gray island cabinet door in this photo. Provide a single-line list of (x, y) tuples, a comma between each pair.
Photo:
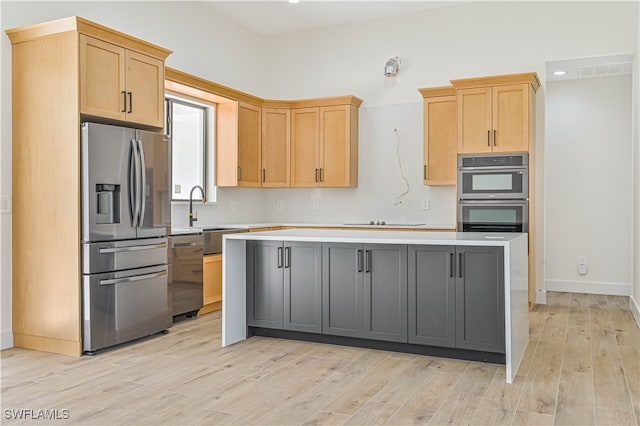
[(303, 286), (480, 299), (265, 277), (342, 266), (385, 292), (432, 291)]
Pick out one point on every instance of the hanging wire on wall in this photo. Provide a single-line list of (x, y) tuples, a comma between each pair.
[(406, 191)]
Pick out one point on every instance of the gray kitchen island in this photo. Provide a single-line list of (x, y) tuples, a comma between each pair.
[(464, 292)]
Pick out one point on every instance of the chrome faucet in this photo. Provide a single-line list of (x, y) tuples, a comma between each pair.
[(204, 200)]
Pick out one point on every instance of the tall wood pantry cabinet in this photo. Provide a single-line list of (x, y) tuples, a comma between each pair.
[(63, 72)]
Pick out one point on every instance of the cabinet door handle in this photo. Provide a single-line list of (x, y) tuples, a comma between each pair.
[(452, 265), (488, 137), (279, 257), (460, 265), (367, 261), (424, 172), (321, 175), (124, 101), (130, 102), (287, 257), (494, 137), (359, 261), (264, 175), (239, 173), (316, 175)]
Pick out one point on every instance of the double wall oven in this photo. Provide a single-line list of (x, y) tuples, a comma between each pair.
[(493, 193)]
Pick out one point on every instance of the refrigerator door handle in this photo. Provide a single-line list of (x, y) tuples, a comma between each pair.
[(143, 192), (134, 278), (133, 183)]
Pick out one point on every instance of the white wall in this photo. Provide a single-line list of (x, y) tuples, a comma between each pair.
[(635, 296), (589, 171), (204, 43)]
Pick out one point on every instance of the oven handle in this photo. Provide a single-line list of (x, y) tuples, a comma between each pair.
[(506, 203), (131, 248), (521, 169)]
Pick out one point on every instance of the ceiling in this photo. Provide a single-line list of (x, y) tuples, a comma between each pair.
[(276, 17)]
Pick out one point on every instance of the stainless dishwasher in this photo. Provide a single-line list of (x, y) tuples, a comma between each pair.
[(185, 274)]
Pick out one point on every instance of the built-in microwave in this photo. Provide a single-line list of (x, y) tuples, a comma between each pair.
[(493, 216), (493, 177)]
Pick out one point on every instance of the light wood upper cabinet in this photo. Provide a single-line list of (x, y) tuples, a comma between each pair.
[(305, 147), (120, 84), (495, 113), (249, 145), (324, 146), (212, 279), (440, 142), (276, 148)]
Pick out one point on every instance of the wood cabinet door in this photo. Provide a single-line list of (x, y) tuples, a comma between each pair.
[(145, 89), (335, 146), (303, 286), (480, 320), (511, 118), (102, 79), (440, 142), (385, 292), (474, 120), (276, 148), (305, 141), (432, 295), (342, 280), (212, 278), (249, 145)]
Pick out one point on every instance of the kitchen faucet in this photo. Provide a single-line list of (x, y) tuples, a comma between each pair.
[(204, 200)]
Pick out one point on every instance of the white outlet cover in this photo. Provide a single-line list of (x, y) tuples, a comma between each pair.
[(5, 205), (279, 205)]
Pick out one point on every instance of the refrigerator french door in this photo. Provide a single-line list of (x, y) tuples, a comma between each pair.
[(126, 216)]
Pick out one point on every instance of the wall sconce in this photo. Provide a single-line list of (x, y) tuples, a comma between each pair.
[(392, 66)]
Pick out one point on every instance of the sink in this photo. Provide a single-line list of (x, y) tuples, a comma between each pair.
[(213, 238), (383, 224)]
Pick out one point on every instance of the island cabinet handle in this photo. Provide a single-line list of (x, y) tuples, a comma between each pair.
[(452, 265), (287, 257), (359, 265), (279, 257), (367, 261), (460, 265)]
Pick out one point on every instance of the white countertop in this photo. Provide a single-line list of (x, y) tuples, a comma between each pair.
[(383, 237)]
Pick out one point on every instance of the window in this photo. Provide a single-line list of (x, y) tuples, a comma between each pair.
[(191, 128)]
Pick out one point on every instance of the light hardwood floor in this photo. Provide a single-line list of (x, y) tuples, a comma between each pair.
[(582, 367)]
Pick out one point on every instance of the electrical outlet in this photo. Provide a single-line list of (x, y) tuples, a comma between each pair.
[(426, 204), (316, 204), (5, 205), (232, 205), (582, 265), (279, 205), (177, 189)]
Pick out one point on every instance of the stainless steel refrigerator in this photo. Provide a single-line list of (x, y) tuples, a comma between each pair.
[(126, 216)]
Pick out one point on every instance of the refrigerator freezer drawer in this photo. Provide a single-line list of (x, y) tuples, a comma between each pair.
[(119, 255), (123, 306)]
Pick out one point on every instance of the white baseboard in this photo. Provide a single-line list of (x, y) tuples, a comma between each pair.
[(591, 287), (6, 339), (635, 310)]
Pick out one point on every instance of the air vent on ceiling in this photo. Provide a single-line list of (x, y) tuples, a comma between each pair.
[(604, 70)]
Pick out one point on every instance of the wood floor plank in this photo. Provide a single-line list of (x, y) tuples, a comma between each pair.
[(490, 416), (575, 405), (501, 395), (525, 418), (325, 418), (476, 379), (457, 409), (373, 413)]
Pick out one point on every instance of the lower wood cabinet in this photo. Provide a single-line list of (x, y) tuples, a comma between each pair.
[(284, 285), (212, 283), (364, 291)]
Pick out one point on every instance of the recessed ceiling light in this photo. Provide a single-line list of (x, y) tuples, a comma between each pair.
[(559, 72)]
